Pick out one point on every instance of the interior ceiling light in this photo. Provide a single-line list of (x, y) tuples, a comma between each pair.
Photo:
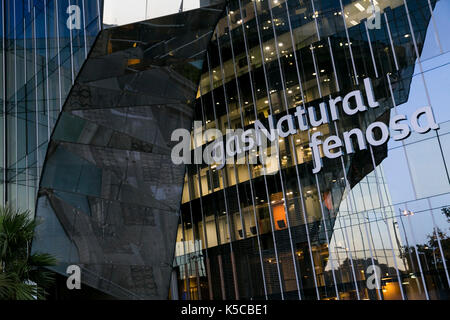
[(360, 7)]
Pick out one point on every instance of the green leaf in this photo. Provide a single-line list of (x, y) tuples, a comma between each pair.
[(23, 276)]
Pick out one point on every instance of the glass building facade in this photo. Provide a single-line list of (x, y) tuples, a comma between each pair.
[(89, 107), (91, 91), (373, 223), (41, 57)]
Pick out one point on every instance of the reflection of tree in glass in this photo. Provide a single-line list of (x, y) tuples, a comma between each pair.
[(446, 212), (430, 255)]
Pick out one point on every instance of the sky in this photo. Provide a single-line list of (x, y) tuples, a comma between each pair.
[(121, 12)]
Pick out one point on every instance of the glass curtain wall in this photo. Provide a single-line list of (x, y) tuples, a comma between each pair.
[(44, 44), (370, 225)]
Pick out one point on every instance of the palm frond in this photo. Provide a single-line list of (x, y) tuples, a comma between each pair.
[(23, 275), (7, 286), (42, 260), (25, 291)]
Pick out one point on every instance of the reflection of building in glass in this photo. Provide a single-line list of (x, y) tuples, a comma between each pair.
[(87, 120)]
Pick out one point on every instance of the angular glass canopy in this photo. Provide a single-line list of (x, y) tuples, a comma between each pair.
[(109, 195)]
